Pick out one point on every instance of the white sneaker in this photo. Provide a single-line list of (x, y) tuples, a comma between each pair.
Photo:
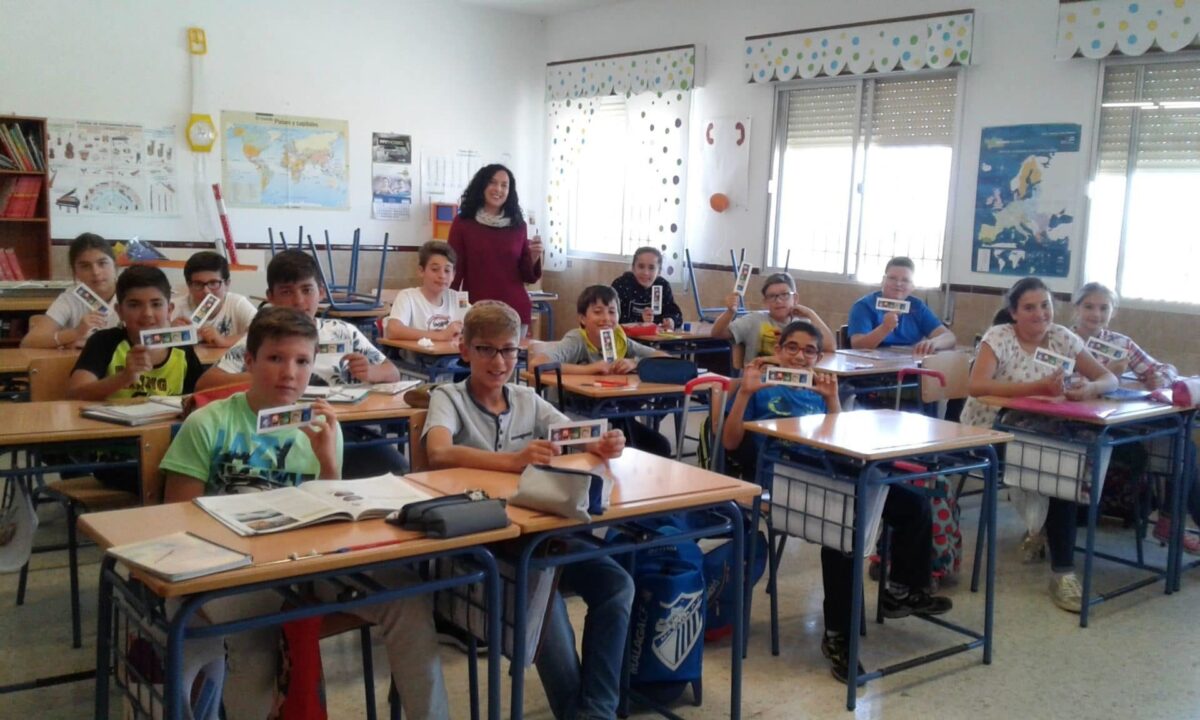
[(1066, 592), (1033, 548)]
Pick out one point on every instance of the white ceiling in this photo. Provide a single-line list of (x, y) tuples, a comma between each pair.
[(543, 8)]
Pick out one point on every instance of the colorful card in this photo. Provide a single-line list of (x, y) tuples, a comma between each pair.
[(205, 309), (743, 278), (172, 336), (464, 300), (794, 377), (282, 418), (896, 306), (656, 299), (608, 345), (1050, 359), (84, 293), (1100, 349), (333, 348), (578, 433)]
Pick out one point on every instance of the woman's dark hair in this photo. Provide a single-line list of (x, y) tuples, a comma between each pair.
[(472, 198), (803, 326), (85, 242), (1002, 317), (1019, 288)]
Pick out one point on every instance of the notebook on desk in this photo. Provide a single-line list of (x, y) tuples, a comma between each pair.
[(1061, 407)]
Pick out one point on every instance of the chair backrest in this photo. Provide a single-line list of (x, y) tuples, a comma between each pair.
[(955, 367), (418, 461), (843, 337), (48, 377)]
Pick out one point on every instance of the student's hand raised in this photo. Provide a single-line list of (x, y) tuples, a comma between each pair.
[(752, 381), (537, 452), (322, 435), (358, 365), (731, 302), (825, 385), (610, 445), (890, 321), (535, 247)]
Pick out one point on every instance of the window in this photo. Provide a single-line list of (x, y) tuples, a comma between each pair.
[(862, 174), (1147, 174)]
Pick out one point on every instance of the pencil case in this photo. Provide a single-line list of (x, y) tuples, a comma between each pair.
[(452, 515), (575, 494)]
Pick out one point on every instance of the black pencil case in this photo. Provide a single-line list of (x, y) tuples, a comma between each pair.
[(452, 515)]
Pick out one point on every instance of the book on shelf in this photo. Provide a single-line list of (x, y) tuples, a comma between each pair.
[(309, 503), (152, 410), (15, 148), (11, 265), (180, 556), (21, 195)]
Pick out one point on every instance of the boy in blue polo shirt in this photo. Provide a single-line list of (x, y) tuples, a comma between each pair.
[(919, 327)]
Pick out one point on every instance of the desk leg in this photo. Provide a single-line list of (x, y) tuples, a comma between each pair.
[(153, 445), (740, 630), (495, 630), (1089, 554), (520, 601), (104, 631), (990, 501), (856, 589)]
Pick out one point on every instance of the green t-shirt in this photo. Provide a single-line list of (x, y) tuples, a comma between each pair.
[(219, 444)]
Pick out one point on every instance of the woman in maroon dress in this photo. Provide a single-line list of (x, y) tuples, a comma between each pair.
[(495, 258)]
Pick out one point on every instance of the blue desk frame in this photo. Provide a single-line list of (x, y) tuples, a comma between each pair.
[(1181, 490)]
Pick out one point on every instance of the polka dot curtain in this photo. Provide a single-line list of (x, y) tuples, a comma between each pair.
[(882, 47), (1098, 28), (657, 89)]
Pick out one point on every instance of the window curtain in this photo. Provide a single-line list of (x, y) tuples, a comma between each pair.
[(657, 89), (1098, 28)]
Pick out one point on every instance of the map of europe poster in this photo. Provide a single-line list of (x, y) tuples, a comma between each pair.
[(1026, 199)]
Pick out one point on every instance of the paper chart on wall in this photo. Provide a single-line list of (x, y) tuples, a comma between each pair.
[(391, 176), (106, 168), (444, 177)]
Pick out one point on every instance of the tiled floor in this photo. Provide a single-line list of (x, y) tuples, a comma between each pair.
[(1138, 659)]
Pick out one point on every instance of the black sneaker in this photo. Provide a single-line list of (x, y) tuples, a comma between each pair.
[(837, 649), (915, 603)]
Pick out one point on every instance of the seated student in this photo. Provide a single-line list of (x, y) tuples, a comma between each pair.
[(906, 511), (1005, 367), (218, 451), (432, 310), (755, 334), (292, 282), (487, 423), (920, 327), (207, 273), (580, 354), (633, 292), (69, 319)]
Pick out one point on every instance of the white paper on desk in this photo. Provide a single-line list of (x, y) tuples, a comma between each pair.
[(820, 509)]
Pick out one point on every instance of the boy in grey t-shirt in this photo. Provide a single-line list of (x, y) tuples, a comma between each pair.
[(486, 423), (755, 334)]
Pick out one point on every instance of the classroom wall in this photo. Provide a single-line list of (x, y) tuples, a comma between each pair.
[(453, 76)]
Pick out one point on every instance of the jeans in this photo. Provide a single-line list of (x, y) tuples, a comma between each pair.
[(589, 689)]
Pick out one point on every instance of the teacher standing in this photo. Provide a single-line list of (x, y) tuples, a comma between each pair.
[(495, 259)]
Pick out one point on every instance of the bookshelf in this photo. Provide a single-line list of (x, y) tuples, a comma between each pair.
[(29, 236)]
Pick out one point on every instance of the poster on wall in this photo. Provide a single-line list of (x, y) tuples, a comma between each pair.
[(1027, 199), (107, 168), (283, 161), (391, 176)]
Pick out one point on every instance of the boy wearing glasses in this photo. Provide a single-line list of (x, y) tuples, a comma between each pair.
[(907, 512), (207, 273), (919, 327), (755, 334), (486, 423)]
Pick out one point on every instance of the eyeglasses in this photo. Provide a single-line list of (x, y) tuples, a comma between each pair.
[(210, 285), (796, 348), (777, 297), (489, 351)]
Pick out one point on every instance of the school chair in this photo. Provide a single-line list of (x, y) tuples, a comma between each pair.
[(843, 337), (48, 381), (345, 298), (709, 314)]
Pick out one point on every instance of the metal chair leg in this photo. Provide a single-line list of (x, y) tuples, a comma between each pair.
[(368, 663), (73, 556)]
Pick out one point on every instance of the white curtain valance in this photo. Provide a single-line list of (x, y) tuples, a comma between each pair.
[(627, 74), (927, 41), (1098, 28)]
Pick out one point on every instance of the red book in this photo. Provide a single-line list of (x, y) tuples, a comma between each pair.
[(13, 264), (5, 273), (1061, 407)]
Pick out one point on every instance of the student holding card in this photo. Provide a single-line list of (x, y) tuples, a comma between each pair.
[(756, 334), (600, 347), (487, 423), (878, 324), (636, 289), (219, 450), (223, 320), (1095, 306), (115, 363), (432, 310), (1006, 366), (907, 512), (85, 308)]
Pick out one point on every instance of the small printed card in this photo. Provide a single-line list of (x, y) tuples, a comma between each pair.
[(896, 306), (464, 300), (1100, 349), (743, 278), (656, 299), (205, 309), (578, 433), (333, 348), (281, 418), (608, 345), (84, 293), (172, 336), (795, 377), (1045, 357)]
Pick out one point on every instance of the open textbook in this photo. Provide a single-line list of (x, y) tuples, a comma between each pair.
[(148, 410), (309, 503)]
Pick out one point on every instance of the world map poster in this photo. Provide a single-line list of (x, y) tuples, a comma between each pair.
[(282, 161), (1026, 199)]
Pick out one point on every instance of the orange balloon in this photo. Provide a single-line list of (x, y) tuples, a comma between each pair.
[(719, 202)]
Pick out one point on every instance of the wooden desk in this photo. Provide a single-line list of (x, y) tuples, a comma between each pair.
[(59, 421), (585, 386), (26, 303), (844, 363), (15, 361), (441, 348), (375, 407)]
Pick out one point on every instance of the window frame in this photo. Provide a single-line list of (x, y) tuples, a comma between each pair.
[(1186, 56), (775, 170)]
